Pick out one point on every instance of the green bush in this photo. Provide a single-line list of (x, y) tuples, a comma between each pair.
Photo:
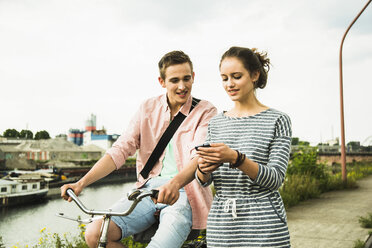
[(67, 241), (334, 183), (130, 243), (298, 188), (358, 244), (355, 171), (304, 162), (359, 170), (1, 242), (366, 222), (307, 179)]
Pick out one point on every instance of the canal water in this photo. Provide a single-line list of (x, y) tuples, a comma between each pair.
[(21, 226)]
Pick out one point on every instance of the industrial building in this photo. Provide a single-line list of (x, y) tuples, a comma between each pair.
[(92, 136), (26, 154)]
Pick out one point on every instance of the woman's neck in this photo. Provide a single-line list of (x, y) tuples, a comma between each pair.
[(247, 108)]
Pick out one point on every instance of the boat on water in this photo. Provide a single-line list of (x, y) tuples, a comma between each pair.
[(22, 189)]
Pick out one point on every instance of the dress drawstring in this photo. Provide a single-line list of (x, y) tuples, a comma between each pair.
[(233, 208)]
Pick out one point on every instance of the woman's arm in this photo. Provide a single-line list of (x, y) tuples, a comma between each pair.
[(212, 157), (270, 175)]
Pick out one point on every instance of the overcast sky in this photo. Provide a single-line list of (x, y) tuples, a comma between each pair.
[(60, 61)]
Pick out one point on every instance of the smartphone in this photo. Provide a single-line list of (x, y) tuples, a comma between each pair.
[(204, 145)]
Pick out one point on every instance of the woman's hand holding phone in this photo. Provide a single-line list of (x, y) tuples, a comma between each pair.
[(204, 145)]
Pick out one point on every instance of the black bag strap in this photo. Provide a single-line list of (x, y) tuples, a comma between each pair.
[(164, 140)]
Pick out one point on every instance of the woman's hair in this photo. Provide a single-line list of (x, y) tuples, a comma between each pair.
[(173, 58), (253, 61)]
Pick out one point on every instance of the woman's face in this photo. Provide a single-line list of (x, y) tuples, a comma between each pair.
[(237, 80)]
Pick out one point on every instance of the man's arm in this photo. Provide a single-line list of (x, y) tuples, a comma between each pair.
[(102, 168), (169, 192)]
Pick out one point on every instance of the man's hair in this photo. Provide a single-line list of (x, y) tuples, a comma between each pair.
[(173, 58)]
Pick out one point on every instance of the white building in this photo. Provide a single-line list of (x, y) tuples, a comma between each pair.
[(101, 140)]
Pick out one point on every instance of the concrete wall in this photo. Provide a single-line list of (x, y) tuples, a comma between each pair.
[(333, 158), (20, 163), (74, 156)]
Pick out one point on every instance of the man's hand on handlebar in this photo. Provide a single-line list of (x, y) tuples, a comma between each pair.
[(74, 186), (168, 193)]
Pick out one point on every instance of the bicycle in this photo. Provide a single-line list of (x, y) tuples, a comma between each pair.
[(134, 195)]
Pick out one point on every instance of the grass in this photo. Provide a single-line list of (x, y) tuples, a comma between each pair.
[(358, 244), (366, 222), (48, 239), (298, 187), (129, 242)]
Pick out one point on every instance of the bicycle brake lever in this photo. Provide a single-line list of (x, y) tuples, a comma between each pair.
[(62, 215), (132, 194), (155, 193), (80, 221)]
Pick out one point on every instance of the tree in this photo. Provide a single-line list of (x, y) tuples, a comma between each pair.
[(304, 162), (26, 134), (11, 133), (42, 135), (303, 143), (355, 145), (295, 141)]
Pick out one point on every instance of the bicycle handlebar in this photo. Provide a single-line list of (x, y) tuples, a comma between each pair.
[(136, 196)]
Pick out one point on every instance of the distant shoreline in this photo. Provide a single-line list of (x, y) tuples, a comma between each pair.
[(55, 192), (125, 174)]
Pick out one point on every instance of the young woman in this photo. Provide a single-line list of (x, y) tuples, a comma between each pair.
[(247, 159)]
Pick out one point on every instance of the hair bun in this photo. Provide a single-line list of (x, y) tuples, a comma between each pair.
[(262, 57)]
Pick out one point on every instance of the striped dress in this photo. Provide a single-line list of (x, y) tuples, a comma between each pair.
[(246, 212)]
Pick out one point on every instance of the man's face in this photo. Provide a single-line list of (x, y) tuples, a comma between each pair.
[(178, 82)]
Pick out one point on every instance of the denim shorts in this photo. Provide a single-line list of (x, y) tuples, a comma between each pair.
[(175, 220)]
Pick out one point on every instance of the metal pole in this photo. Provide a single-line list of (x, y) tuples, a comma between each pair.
[(343, 152)]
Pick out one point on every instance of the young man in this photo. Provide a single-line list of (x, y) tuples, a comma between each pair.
[(143, 133)]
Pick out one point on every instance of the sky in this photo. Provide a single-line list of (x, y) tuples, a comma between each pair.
[(61, 61)]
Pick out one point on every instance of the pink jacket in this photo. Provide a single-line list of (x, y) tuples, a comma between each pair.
[(145, 130)]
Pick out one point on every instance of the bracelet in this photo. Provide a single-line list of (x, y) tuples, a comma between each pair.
[(202, 172), (239, 161)]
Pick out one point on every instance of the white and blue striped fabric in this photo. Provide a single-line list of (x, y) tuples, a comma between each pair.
[(245, 212)]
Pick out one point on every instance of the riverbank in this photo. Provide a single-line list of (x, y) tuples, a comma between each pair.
[(21, 226), (123, 175), (332, 219), (55, 191)]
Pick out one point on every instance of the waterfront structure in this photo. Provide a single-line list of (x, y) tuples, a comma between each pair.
[(22, 189), (76, 136), (27, 153), (91, 123)]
